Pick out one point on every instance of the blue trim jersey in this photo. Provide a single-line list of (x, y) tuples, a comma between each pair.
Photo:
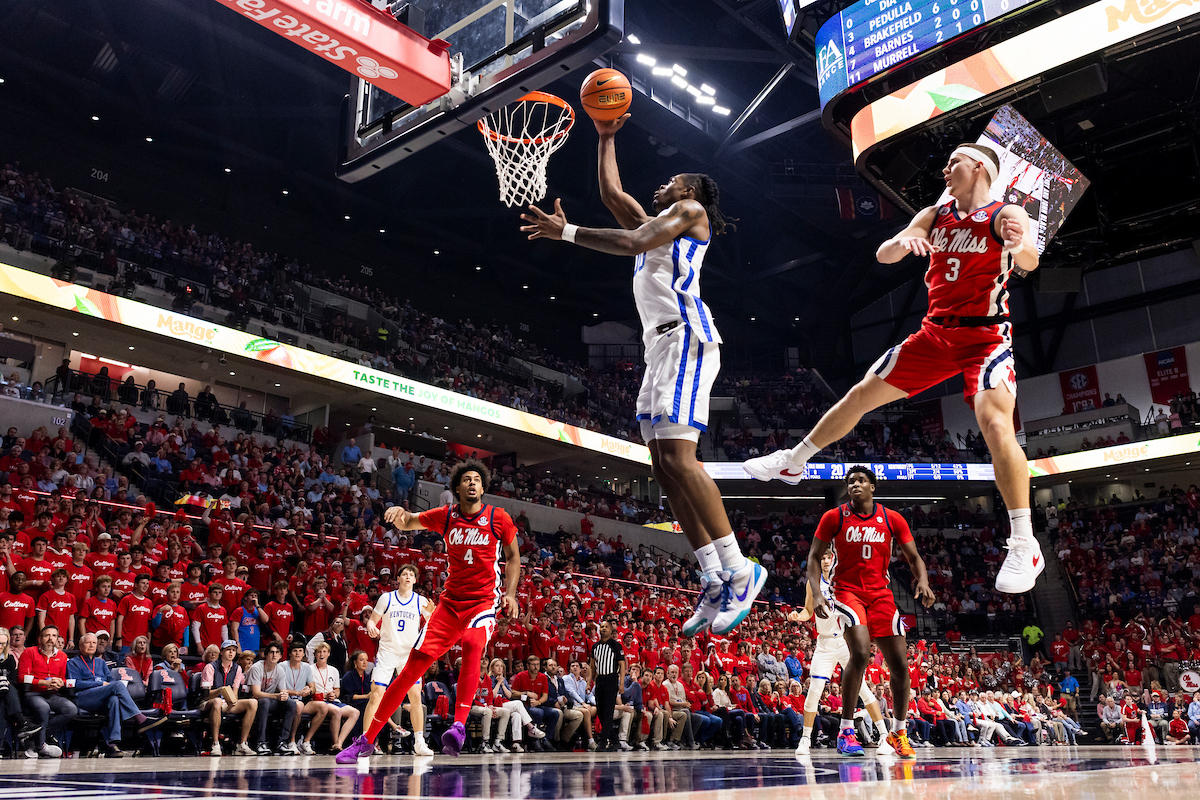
[(400, 622), (666, 288)]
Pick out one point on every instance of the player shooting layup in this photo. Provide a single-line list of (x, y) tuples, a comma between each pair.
[(474, 592), (832, 651), (682, 360), (396, 623), (860, 533), (973, 243)]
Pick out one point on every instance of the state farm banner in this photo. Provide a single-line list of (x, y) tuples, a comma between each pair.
[(1168, 374), (1080, 389), (360, 39)]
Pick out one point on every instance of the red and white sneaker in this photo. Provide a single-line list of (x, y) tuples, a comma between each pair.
[(1021, 566), (777, 466)]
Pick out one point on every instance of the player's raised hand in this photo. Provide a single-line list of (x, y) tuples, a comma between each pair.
[(609, 127), (543, 225), (1013, 233), (917, 245)]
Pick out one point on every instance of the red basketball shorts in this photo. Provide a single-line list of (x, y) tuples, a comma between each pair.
[(983, 356), (450, 620), (874, 608)]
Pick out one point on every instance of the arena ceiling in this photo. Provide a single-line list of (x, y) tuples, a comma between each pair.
[(185, 91)]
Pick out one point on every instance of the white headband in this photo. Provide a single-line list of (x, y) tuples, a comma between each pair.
[(975, 154)]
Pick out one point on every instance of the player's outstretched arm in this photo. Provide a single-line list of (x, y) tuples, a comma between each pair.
[(629, 212), (655, 232), (1013, 226), (402, 519), (913, 239), (806, 613)]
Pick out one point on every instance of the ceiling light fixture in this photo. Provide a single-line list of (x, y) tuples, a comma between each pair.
[(231, 372), (649, 61), (95, 118), (678, 69), (704, 87), (347, 216), (662, 72), (277, 385), (705, 100), (149, 139), (680, 82), (693, 91), (722, 110), (633, 39), (227, 169)]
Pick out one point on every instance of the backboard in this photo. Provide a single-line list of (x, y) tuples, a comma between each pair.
[(500, 50)]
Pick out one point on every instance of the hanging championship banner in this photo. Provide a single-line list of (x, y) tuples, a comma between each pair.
[(1080, 389), (1168, 374)]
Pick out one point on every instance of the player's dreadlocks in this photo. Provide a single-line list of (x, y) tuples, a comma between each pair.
[(709, 196)]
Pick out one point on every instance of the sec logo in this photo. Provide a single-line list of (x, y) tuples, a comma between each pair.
[(483, 521), (980, 216), (944, 210), (1079, 381)]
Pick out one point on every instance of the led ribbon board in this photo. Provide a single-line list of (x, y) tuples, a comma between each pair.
[(1036, 52), (183, 328)]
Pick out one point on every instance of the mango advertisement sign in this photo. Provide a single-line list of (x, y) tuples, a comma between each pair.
[(1185, 444), (151, 319)]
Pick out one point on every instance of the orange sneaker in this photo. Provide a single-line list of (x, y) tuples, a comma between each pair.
[(899, 741)]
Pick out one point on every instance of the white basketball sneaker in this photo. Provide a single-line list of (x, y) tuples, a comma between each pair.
[(738, 591), (884, 748), (1021, 566), (804, 746), (708, 605), (777, 466)]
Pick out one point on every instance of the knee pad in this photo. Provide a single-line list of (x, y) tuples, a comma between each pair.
[(812, 700), (867, 696)]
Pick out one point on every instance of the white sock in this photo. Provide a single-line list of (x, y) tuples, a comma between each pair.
[(420, 737), (882, 727), (806, 735), (802, 452), (899, 726), (730, 553), (1021, 522), (848, 723), (709, 559)]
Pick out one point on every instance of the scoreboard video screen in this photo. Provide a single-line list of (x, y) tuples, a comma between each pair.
[(872, 36)]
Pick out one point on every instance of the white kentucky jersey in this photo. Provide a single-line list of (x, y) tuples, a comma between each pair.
[(833, 624), (401, 621), (666, 288)]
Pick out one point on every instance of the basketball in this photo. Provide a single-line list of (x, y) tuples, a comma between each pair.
[(605, 94)]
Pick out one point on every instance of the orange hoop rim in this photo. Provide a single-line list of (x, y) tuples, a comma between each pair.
[(532, 97)]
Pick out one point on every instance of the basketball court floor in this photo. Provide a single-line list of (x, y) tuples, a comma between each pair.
[(1048, 773)]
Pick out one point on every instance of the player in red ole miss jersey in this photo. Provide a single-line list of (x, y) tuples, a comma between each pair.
[(973, 244), (475, 590), (860, 533)]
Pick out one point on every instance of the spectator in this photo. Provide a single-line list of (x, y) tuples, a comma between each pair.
[(43, 670), (221, 681), (265, 679), (97, 691)]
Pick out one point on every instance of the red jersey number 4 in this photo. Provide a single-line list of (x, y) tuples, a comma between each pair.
[(473, 545)]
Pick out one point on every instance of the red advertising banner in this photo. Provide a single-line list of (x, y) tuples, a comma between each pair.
[(1080, 389), (1168, 374), (360, 39)]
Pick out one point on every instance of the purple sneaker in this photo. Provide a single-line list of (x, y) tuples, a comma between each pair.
[(359, 748), (453, 739)]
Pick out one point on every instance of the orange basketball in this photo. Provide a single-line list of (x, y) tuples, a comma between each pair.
[(605, 94)]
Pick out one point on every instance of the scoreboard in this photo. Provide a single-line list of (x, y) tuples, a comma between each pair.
[(872, 36), (820, 471)]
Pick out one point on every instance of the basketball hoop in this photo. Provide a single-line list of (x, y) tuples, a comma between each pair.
[(521, 138)]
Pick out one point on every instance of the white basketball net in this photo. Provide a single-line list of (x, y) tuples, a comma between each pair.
[(521, 138)]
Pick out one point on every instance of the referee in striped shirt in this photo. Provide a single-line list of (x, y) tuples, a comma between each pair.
[(608, 671)]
